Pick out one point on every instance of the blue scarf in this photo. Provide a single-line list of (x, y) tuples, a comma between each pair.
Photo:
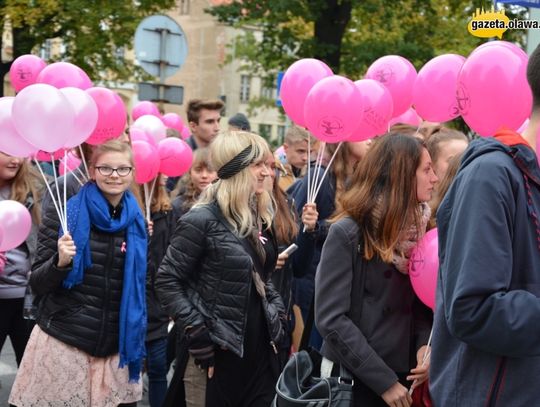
[(90, 208)]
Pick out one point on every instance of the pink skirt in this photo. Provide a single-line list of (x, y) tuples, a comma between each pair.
[(55, 374)]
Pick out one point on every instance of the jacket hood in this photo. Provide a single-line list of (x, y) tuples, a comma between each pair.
[(509, 142)]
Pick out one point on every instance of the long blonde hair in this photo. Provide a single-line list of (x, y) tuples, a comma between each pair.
[(25, 184), (242, 208)]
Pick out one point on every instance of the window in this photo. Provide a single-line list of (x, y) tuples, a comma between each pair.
[(245, 85), (267, 93), (265, 131), (45, 51)]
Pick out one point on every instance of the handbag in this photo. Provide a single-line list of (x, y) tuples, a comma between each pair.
[(298, 386)]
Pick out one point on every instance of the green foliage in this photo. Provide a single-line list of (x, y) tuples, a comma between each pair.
[(91, 30), (418, 30)]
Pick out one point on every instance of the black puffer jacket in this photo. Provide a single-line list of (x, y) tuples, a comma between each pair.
[(85, 316), (164, 225), (206, 278)]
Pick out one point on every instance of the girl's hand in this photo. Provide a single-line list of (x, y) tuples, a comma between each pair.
[(66, 250), (310, 216), (282, 258), (397, 396), (150, 227), (420, 373)]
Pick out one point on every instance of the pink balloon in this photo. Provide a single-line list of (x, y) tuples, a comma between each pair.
[(175, 157), (173, 121), (11, 142), (72, 162), (45, 156), (86, 115), (333, 109), (185, 133), (16, 222), (409, 117), (493, 91), (146, 159), (434, 93), (25, 70), (64, 74), (151, 125), (378, 107), (1, 238), (296, 84), (43, 116), (139, 135), (508, 45), (424, 266), (144, 108), (112, 115), (398, 75)]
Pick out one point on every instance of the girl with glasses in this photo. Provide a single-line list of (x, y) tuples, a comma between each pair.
[(88, 345)]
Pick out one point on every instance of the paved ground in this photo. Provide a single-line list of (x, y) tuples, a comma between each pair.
[(8, 369)]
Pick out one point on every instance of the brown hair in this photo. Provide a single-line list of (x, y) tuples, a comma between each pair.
[(285, 219), (382, 198), (340, 167), (25, 184), (444, 134), (201, 158), (442, 188), (195, 106)]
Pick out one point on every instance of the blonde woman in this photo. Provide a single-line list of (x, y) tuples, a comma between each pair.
[(213, 281)]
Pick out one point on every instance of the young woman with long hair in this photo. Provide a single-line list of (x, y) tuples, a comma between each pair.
[(87, 347), (18, 182), (214, 283), (331, 189), (367, 312)]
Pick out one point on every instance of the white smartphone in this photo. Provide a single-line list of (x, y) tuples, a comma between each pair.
[(290, 250)]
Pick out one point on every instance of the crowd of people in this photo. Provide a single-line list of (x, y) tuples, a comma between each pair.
[(205, 285)]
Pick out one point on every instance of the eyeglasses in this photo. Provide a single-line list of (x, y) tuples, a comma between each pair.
[(108, 171)]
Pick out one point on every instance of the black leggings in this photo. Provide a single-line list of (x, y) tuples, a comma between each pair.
[(13, 324)]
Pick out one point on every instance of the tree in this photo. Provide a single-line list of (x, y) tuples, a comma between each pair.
[(91, 31), (350, 34)]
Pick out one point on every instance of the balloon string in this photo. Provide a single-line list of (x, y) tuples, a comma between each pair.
[(58, 192), (326, 171), (308, 167), (145, 188), (83, 176), (318, 166), (84, 162), (51, 193), (65, 186), (77, 178), (426, 356), (149, 200)]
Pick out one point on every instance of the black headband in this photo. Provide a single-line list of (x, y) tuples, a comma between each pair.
[(237, 164)]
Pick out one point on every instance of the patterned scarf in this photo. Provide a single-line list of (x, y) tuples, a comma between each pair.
[(409, 239)]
